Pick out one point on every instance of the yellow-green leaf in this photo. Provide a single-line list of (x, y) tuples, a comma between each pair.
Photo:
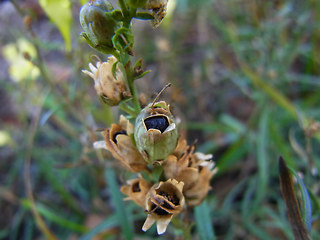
[(59, 12)]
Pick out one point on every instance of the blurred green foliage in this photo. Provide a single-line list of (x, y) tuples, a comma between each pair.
[(246, 84)]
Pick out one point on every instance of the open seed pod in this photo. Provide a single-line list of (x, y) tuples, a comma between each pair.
[(156, 133), (163, 201), (136, 190), (195, 170), (118, 140)]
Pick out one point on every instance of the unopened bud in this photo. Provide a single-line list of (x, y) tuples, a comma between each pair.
[(99, 25)]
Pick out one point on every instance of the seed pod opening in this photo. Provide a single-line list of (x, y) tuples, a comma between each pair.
[(163, 201), (121, 132), (160, 122), (156, 134)]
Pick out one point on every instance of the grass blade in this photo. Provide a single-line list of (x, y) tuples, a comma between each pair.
[(110, 222), (121, 211), (262, 157), (272, 92), (52, 216), (299, 230), (203, 221), (306, 202)]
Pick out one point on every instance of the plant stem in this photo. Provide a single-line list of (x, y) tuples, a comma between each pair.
[(124, 8), (127, 69), (133, 90), (126, 108)]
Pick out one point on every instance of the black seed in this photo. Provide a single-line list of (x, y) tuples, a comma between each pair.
[(159, 211), (118, 133), (172, 198), (136, 187), (157, 122), (166, 205)]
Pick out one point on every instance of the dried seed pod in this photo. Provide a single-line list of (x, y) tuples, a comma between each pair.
[(156, 133), (164, 200), (137, 190), (195, 170), (159, 11), (118, 140)]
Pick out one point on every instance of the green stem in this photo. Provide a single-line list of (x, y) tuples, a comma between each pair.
[(128, 71), (133, 90), (124, 8), (126, 108), (115, 54)]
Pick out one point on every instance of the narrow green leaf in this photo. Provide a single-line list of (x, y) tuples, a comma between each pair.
[(142, 74), (273, 93), (144, 16), (262, 157), (4, 233), (277, 219), (286, 185), (233, 123), (256, 230), (54, 217), (59, 12), (246, 204), (306, 202), (109, 223), (28, 230), (204, 222), (234, 154), (316, 202), (297, 146), (122, 212)]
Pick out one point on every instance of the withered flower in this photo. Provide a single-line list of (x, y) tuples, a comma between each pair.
[(111, 89), (178, 167), (155, 133), (119, 141), (194, 169), (164, 200), (196, 192), (159, 11), (136, 190)]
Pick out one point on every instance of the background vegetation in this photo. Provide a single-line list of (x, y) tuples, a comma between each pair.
[(246, 85)]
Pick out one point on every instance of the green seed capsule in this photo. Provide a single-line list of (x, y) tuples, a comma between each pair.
[(98, 24), (156, 133)]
